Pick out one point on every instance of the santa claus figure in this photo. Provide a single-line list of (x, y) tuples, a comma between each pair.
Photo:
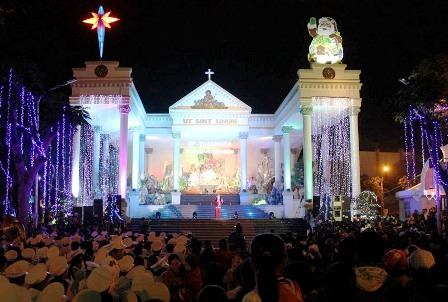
[(218, 202), (326, 47)]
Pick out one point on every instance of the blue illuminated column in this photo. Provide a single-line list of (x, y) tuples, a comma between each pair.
[(243, 158), (354, 151), (123, 164), (277, 159), (96, 160), (148, 152), (286, 130), (307, 151), (135, 155), (176, 160)]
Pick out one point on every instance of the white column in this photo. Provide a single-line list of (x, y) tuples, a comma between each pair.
[(176, 160), (96, 160), (75, 162), (354, 152), (286, 130), (307, 151), (277, 159), (141, 153), (105, 187), (135, 155), (123, 164), (148, 152), (243, 158)]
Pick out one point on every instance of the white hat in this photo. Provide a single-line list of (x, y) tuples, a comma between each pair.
[(172, 241), (126, 263), (179, 248), (57, 265), (87, 295), (53, 252), (41, 253), (90, 265), (99, 279), (13, 293), (157, 245), (116, 244), (53, 292), (28, 253), (65, 241), (11, 255), (127, 241), (157, 290), (141, 280), (182, 239), (137, 270), (17, 269), (94, 234), (37, 274), (48, 241), (421, 258)]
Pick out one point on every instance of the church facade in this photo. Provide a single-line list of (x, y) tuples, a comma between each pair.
[(211, 142)]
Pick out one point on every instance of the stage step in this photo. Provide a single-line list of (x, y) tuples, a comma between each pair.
[(208, 199), (216, 229), (208, 211)]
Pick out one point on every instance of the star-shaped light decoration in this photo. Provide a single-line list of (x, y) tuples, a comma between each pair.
[(100, 21)]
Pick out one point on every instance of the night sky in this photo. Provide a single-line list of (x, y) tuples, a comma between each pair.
[(254, 47)]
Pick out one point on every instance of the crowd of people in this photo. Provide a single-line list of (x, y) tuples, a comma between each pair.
[(378, 260)]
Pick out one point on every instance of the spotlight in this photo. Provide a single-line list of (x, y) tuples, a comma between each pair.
[(195, 215), (235, 215), (271, 215), (158, 215)]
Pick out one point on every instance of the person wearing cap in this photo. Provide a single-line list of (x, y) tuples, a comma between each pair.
[(57, 266), (75, 272), (111, 262), (37, 278), (53, 292), (87, 295), (90, 266), (100, 280), (124, 284), (16, 272)]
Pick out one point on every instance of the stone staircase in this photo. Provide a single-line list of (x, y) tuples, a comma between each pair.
[(171, 211), (216, 229)]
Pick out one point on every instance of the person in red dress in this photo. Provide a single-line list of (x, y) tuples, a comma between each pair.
[(218, 202)]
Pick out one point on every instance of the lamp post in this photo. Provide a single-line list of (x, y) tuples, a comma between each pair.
[(385, 169)]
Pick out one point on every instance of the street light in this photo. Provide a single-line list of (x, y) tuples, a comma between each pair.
[(385, 169)]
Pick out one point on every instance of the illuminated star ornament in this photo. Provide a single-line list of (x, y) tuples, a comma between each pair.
[(100, 21)]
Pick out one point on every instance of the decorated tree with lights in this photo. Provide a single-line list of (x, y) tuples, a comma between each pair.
[(35, 130), (422, 107), (367, 205)]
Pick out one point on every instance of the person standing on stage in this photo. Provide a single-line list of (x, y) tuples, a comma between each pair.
[(218, 202)]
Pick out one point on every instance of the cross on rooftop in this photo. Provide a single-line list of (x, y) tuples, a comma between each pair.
[(209, 73)]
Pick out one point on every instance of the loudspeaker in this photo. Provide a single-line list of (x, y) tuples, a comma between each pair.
[(77, 211), (88, 213), (316, 205), (98, 208), (337, 208), (346, 212)]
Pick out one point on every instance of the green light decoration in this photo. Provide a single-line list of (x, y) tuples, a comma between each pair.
[(367, 205), (326, 46)]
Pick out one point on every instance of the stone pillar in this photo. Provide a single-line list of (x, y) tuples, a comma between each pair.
[(123, 164), (135, 155), (243, 158), (286, 130), (307, 151), (148, 152), (96, 160), (141, 155), (354, 152), (75, 162), (175, 195), (176, 160), (277, 161)]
